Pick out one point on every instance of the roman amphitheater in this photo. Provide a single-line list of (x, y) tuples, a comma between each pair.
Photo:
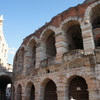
[(62, 58)]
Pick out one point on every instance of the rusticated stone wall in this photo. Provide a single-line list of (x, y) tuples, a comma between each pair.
[(67, 57)]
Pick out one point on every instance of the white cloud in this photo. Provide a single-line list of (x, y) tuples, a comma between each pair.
[(12, 51)]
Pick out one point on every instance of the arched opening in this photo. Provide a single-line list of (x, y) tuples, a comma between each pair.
[(95, 20), (50, 91), (73, 35), (5, 88), (50, 45), (8, 92), (21, 59), (30, 91), (19, 92), (32, 53), (48, 48), (32, 94), (98, 42), (78, 89)]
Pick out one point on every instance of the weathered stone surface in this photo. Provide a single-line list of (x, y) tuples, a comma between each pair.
[(67, 57)]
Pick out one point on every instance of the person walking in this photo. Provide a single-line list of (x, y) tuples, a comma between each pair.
[(71, 98)]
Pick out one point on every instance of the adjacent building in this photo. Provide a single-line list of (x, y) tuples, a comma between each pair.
[(5, 68), (3, 45)]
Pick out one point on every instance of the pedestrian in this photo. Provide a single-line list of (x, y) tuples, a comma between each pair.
[(71, 98)]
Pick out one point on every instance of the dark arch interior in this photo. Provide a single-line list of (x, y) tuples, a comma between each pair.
[(78, 89), (50, 46), (98, 42), (96, 22), (95, 16), (4, 81), (32, 94), (75, 37), (21, 59), (34, 54), (96, 30), (32, 50), (50, 91)]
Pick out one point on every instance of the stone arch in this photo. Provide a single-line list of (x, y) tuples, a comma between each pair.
[(4, 81), (87, 15), (19, 92), (48, 90), (73, 33), (33, 38), (90, 80), (31, 52), (48, 42), (20, 56), (78, 88), (82, 73), (43, 35), (76, 18), (92, 17), (30, 91), (16, 85), (72, 76), (23, 46)]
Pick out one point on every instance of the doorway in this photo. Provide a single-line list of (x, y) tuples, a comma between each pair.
[(78, 89)]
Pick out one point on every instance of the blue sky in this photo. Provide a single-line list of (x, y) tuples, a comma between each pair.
[(23, 17)]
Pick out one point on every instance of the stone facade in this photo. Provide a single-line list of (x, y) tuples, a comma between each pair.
[(62, 58)]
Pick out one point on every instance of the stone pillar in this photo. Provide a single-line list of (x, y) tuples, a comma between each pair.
[(94, 89), (24, 94), (41, 92), (42, 50), (37, 92), (27, 60), (61, 91), (25, 65), (88, 40), (15, 98), (23, 97), (94, 94), (61, 45), (61, 95), (38, 54), (12, 92)]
